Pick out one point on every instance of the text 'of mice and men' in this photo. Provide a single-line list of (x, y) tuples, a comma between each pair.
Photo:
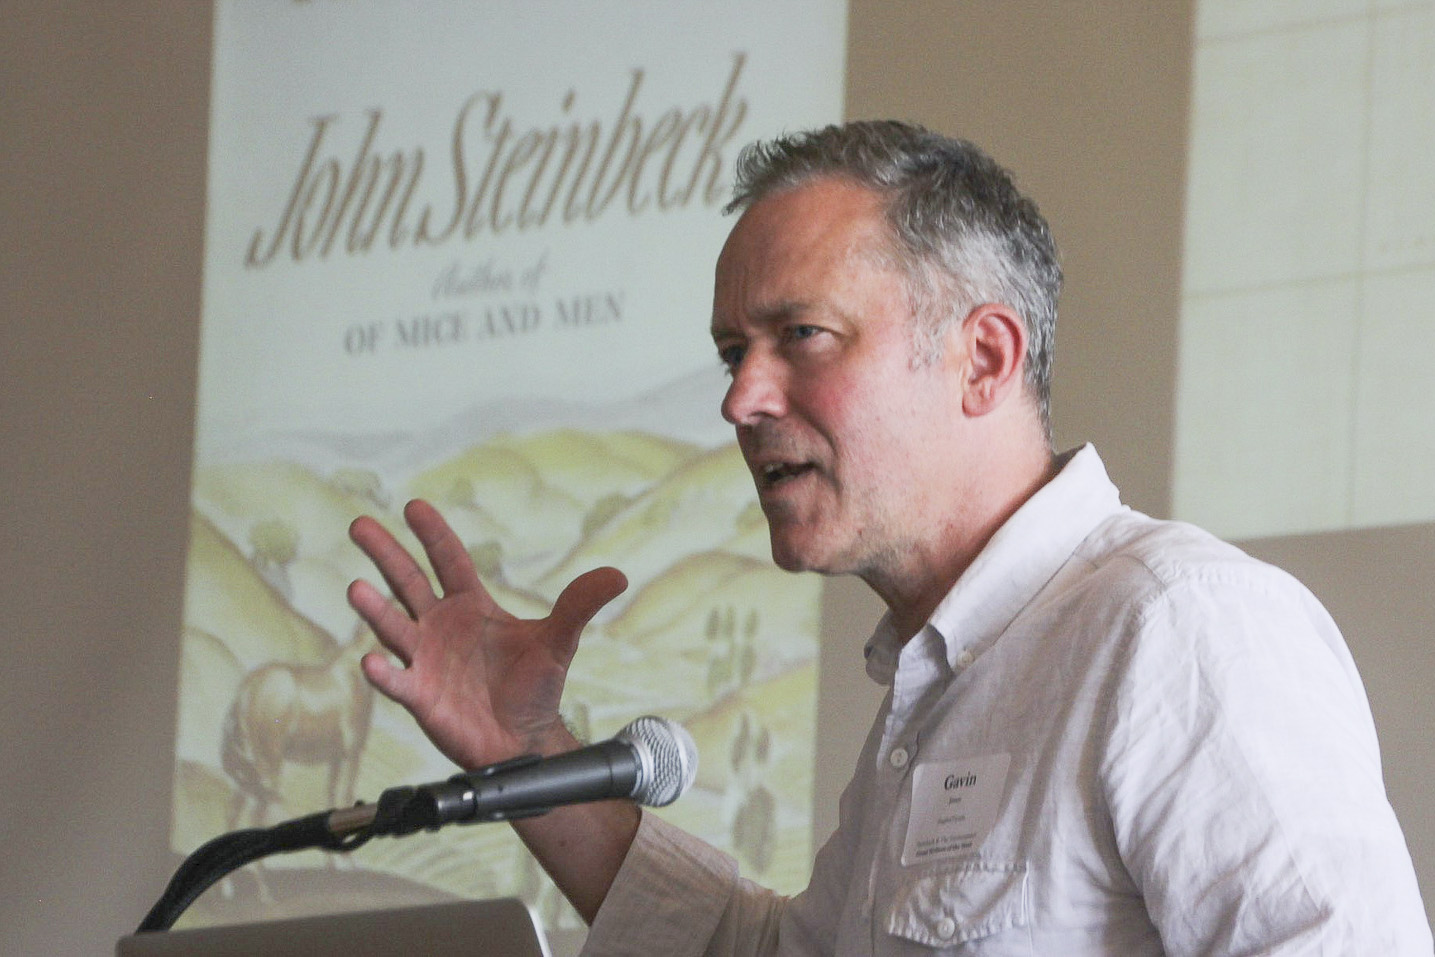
[(503, 177)]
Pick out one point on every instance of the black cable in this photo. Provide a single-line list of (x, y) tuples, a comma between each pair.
[(228, 852)]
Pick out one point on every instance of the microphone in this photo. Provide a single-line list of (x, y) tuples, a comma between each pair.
[(651, 761)]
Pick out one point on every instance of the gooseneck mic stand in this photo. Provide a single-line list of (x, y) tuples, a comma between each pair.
[(651, 761), (399, 811)]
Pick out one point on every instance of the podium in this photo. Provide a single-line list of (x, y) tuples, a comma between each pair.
[(502, 928)]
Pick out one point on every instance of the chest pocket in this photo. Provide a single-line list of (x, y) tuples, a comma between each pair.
[(970, 901)]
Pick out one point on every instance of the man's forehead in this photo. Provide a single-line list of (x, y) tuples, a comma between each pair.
[(790, 251)]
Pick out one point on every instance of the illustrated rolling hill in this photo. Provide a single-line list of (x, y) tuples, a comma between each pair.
[(695, 508)]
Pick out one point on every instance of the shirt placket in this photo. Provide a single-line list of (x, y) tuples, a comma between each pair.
[(919, 668)]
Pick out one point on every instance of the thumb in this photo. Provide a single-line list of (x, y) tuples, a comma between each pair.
[(584, 597)]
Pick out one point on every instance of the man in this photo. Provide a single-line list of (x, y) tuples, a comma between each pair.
[(1104, 735)]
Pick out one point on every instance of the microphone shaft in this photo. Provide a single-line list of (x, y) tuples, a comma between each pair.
[(530, 785)]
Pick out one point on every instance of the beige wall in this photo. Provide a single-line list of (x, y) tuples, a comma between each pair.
[(102, 121), (102, 183)]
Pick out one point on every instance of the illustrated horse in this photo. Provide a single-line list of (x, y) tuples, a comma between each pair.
[(286, 713)]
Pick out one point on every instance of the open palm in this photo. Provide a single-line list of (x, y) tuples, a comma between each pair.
[(482, 684)]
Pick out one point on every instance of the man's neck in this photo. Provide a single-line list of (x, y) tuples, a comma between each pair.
[(913, 584)]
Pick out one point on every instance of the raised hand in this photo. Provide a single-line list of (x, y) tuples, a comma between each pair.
[(482, 684)]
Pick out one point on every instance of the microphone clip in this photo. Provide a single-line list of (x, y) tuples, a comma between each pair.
[(455, 801)]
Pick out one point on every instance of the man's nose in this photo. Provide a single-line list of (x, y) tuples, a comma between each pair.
[(757, 390)]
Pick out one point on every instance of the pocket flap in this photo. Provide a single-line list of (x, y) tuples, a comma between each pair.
[(971, 900)]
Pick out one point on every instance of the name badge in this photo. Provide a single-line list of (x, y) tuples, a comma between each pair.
[(954, 805)]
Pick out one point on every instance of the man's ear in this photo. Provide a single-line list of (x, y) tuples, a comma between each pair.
[(994, 340)]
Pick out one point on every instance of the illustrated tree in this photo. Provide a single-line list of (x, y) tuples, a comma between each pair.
[(275, 544), (488, 561), (734, 663), (461, 493), (603, 511), (363, 484), (755, 826)]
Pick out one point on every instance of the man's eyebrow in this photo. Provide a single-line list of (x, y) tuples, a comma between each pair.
[(766, 316)]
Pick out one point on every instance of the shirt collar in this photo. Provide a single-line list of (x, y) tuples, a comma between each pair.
[(1008, 573)]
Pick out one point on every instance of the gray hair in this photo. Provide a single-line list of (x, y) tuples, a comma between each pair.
[(964, 234)]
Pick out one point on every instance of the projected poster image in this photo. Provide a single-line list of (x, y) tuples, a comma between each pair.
[(471, 262), (1307, 345)]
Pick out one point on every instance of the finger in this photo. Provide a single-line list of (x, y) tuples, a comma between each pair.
[(391, 681), (584, 597), (404, 575), (450, 560), (394, 629)]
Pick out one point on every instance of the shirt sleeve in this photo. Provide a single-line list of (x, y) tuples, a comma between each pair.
[(678, 896), (667, 898), (1243, 778)]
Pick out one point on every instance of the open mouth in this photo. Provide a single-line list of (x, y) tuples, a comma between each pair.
[(776, 473)]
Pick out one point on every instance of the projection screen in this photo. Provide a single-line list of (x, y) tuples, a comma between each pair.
[(463, 252)]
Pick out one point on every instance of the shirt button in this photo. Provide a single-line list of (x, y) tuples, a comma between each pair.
[(899, 758), (965, 658), (946, 927)]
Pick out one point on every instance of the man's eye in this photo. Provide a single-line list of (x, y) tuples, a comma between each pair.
[(794, 333), (731, 356)]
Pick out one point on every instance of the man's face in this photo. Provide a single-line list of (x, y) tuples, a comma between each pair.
[(847, 437)]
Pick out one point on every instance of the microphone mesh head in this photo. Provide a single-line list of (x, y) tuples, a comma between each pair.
[(668, 756)]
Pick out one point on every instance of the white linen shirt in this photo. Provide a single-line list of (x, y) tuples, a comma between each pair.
[(1190, 768)]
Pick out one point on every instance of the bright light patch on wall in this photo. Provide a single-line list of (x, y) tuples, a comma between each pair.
[(464, 252), (1307, 343)]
